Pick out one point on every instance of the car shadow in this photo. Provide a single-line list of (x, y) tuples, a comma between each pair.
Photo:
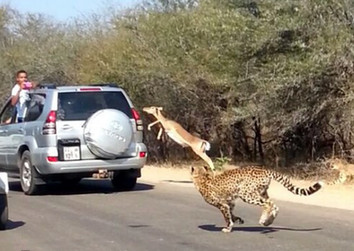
[(15, 186), (259, 229), (10, 225), (85, 186)]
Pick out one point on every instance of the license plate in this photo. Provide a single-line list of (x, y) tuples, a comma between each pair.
[(71, 153)]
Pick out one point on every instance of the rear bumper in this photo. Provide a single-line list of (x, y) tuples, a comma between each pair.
[(45, 167)]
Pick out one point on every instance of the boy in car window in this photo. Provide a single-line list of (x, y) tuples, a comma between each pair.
[(19, 94)]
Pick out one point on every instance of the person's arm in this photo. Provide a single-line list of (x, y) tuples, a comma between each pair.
[(8, 121), (15, 94), (14, 99)]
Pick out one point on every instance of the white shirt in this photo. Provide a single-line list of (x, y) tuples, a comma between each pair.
[(21, 103)]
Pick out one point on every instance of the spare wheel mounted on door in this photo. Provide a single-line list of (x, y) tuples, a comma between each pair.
[(108, 133)]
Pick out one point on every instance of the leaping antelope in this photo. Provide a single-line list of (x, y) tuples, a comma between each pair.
[(176, 132)]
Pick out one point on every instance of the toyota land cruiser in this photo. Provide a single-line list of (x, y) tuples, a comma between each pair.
[(72, 132)]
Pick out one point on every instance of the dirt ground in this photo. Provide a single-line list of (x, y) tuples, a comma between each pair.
[(335, 196)]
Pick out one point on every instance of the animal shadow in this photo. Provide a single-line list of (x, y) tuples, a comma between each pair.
[(13, 224), (179, 181), (259, 229)]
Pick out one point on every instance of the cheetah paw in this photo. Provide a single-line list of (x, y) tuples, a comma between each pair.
[(226, 230), (266, 220), (238, 220)]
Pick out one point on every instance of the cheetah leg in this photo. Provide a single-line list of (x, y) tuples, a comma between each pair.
[(225, 210), (270, 210), (235, 218)]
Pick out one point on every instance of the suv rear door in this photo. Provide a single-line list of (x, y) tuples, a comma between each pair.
[(17, 132), (16, 135), (5, 123)]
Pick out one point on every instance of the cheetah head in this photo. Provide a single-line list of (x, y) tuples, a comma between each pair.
[(335, 164), (200, 171)]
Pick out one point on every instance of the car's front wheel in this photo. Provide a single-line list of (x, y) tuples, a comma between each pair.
[(4, 211), (123, 181), (28, 175)]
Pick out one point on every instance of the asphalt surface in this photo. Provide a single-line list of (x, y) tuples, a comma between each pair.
[(166, 216)]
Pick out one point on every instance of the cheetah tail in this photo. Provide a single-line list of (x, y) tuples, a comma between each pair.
[(342, 177), (285, 181)]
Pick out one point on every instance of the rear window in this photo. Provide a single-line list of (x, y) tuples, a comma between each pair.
[(81, 105)]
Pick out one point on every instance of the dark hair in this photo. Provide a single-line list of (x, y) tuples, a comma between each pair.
[(19, 72)]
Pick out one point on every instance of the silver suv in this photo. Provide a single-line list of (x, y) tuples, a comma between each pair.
[(72, 132)]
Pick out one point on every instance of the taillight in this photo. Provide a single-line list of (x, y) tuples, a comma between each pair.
[(138, 121), (90, 89), (142, 154), (52, 158), (49, 126)]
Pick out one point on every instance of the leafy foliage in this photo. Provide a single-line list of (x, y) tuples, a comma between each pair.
[(261, 80)]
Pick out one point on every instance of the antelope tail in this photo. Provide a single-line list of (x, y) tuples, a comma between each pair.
[(205, 146), (282, 179)]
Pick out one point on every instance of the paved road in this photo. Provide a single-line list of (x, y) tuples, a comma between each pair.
[(162, 217)]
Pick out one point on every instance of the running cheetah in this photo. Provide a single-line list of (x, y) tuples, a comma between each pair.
[(250, 184)]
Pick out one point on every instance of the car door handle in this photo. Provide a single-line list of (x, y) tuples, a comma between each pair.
[(67, 127), (21, 130), (3, 131)]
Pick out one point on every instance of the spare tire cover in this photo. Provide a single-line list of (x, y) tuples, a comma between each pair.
[(108, 133)]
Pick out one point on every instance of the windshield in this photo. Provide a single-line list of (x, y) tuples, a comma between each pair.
[(81, 105)]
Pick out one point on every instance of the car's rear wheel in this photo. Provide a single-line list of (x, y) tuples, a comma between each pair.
[(28, 175), (4, 211), (123, 181)]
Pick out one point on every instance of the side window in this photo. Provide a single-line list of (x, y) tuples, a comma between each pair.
[(35, 107), (8, 114)]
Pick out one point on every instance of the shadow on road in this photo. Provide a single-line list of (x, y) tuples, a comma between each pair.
[(139, 226), (15, 186), (13, 224), (85, 186), (260, 229), (179, 181)]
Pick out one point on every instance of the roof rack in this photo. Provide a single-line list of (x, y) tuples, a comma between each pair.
[(47, 86)]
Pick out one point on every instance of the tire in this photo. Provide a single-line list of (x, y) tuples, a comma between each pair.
[(122, 181), (28, 175), (4, 211)]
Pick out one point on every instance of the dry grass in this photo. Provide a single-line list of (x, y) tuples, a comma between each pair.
[(300, 171)]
